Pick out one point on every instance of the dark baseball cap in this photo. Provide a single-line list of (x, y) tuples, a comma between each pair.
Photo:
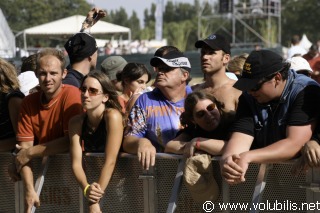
[(259, 64), (80, 46), (172, 59), (216, 42)]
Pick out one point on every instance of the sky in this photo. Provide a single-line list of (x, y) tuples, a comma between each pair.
[(129, 5)]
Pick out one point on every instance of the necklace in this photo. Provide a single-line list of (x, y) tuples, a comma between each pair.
[(92, 126)]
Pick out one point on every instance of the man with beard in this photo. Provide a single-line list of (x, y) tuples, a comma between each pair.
[(82, 50), (154, 119), (215, 55)]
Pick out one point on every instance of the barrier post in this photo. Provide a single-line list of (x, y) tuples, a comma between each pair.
[(149, 190)]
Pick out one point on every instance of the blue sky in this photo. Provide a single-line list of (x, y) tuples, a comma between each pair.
[(138, 5)]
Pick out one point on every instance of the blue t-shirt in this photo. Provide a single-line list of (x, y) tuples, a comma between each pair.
[(155, 118)]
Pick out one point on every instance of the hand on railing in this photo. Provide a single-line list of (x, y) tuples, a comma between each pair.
[(31, 199)]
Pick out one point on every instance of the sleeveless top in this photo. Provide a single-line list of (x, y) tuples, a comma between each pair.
[(93, 141), (6, 128)]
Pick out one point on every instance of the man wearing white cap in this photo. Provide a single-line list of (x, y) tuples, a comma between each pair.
[(155, 118)]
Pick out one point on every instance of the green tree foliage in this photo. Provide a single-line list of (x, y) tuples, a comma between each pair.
[(299, 17), (22, 14)]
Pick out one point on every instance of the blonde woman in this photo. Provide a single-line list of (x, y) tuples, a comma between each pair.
[(99, 129)]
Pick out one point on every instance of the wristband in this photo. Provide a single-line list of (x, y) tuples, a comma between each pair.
[(198, 143), (85, 190)]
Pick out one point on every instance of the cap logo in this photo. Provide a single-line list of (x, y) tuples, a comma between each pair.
[(247, 67), (212, 37), (178, 62)]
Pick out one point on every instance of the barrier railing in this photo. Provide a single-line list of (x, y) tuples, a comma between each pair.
[(268, 188)]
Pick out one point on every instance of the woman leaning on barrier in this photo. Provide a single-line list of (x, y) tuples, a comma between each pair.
[(10, 101), (205, 126), (99, 129)]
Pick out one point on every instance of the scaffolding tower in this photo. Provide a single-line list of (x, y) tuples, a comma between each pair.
[(251, 22)]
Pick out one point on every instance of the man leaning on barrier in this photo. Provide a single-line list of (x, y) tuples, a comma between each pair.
[(275, 117), (154, 118), (43, 119)]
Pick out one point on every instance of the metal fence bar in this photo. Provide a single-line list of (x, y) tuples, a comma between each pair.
[(176, 187)]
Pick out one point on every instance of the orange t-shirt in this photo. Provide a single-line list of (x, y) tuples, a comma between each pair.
[(42, 123)]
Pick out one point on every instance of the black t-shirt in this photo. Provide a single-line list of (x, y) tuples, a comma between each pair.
[(304, 110), (73, 78)]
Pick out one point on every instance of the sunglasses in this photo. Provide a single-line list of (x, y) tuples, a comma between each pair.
[(259, 85), (209, 108), (91, 91), (165, 69)]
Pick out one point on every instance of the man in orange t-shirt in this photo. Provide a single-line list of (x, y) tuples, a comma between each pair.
[(44, 117)]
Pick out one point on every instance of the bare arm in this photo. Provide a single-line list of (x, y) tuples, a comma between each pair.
[(31, 197), (211, 146), (177, 145), (143, 148), (284, 149), (114, 128), (76, 151), (237, 144), (53, 147)]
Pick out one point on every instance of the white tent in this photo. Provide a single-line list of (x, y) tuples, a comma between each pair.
[(7, 39), (71, 25)]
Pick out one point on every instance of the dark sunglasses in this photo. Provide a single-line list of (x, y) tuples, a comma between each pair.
[(259, 85), (91, 91), (165, 69), (209, 108)]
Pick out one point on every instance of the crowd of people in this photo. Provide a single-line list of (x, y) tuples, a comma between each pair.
[(269, 114)]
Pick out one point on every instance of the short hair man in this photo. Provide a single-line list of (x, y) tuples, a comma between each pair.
[(154, 120), (82, 50), (276, 115), (44, 117), (215, 55), (112, 66)]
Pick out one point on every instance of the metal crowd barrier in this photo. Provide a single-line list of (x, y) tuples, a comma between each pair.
[(161, 189)]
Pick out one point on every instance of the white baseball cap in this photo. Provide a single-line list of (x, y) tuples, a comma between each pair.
[(298, 64)]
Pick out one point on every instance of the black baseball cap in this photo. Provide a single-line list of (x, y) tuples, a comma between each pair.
[(259, 64), (172, 59), (216, 42), (80, 46)]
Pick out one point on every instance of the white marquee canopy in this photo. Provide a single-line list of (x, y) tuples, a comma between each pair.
[(72, 25)]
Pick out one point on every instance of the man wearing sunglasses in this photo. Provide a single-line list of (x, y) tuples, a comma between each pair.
[(215, 55), (154, 119), (42, 128), (276, 115)]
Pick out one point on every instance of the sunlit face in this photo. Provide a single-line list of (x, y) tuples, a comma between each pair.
[(135, 85), (50, 76), (206, 115), (213, 60), (168, 76), (92, 95)]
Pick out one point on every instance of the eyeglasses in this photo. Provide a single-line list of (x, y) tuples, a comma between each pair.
[(209, 108), (91, 91)]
